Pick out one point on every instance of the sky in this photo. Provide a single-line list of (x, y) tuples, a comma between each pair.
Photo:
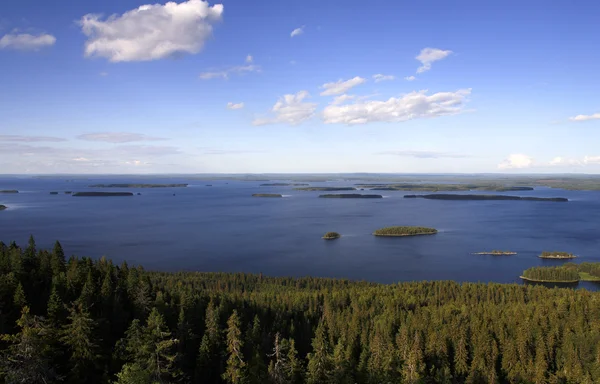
[(238, 86)]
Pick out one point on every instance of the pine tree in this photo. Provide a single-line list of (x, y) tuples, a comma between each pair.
[(235, 369), (208, 366), (256, 369), (19, 299), (57, 260), (55, 307), (277, 371), (78, 337), (319, 360)]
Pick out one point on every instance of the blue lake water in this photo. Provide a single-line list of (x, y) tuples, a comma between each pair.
[(223, 228)]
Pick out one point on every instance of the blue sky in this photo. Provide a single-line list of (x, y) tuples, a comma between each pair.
[(124, 86)]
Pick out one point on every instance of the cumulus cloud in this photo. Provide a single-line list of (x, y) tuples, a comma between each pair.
[(249, 59), (595, 116), (563, 161), (297, 31), (30, 139), (429, 56), (410, 78), (415, 105), (423, 154), (117, 137), (516, 161), (26, 42), (225, 73), (151, 32), (231, 105), (290, 109), (341, 99), (379, 77), (341, 86)]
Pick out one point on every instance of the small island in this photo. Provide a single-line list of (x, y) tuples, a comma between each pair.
[(551, 275), (326, 189), (54, 193), (449, 196), (68, 192), (3, 207), (138, 186), (350, 196), (556, 255), (427, 187), (267, 195), (9, 191), (496, 253), (331, 236), (283, 185), (405, 231), (102, 194)]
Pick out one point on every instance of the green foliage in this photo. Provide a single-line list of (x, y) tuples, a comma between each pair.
[(152, 327), (331, 235), (404, 231), (551, 274), (557, 255)]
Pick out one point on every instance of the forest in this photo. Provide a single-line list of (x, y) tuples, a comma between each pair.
[(80, 320), (568, 272)]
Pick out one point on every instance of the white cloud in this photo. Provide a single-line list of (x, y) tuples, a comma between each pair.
[(249, 59), (30, 139), (415, 105), (151, 32), (341, 99), (379, 77), (516, 161), (591, 160), (26, 42), (563, 161), (224, 73), (231, 105), (341, 86), (595, 116), (297, 31), (430, 55), (117, 137), (410, 78), (290, 109)]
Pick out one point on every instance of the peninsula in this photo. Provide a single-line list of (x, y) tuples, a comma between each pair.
[(98, 194), (138, 186), (448, 196), (405, 231), (267, 195), (326, 189), (9, 191), (331, 236), (556, 255), (350, 196), (496, 253)]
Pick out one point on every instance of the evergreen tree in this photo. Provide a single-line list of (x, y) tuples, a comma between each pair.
[(78, 336), (235, 369), (208, 367), (319, 361), (57, 260), (19, 298), (55, 309)]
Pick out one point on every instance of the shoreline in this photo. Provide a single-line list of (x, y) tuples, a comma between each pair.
[(550, 281), (558, 257)]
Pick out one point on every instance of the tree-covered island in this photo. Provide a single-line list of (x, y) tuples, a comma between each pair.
[(3, 207), (568, 273), (9, 191), (267, 195), (326, 189), (556, 255), (138, 185), (496, 252), (405, 231), (102, 194), (331, 236), (350, 196), (450, 196), (443, 187)]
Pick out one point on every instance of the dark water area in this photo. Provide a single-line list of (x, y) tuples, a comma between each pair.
[(223, 228)]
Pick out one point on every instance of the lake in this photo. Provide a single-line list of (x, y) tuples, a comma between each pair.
[(223, 228)]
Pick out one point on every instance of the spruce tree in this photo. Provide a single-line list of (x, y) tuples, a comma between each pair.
[(235, 372), (78, 337)]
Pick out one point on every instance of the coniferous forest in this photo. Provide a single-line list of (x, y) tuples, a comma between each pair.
[(78, 320)]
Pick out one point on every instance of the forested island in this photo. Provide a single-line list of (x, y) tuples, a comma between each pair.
[(98, 194), (326, 189), (405, 231), (556, 255), (568, 273), (138, 185), (442, 187), (54, 193), (9, 191), (92, 321), (3, 207), (267, 195), (331, 236), (496, 253), (283, 185), (68, 192), (448, 196), (350, 196)]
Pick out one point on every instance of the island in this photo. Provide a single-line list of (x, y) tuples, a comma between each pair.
[(331, 236), (556, 255), (283, 185), (496, 253), (350, 196), (138, 186), (101, 194), (405, 231), (448, 196), (9, 191), (443, 187), (326, 189), (68, 192), (54, 193), (267, 195), (3, 207), (567, 273)]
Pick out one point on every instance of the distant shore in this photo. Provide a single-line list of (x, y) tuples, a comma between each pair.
[(449, 196), (267, 195), (101, 194)]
